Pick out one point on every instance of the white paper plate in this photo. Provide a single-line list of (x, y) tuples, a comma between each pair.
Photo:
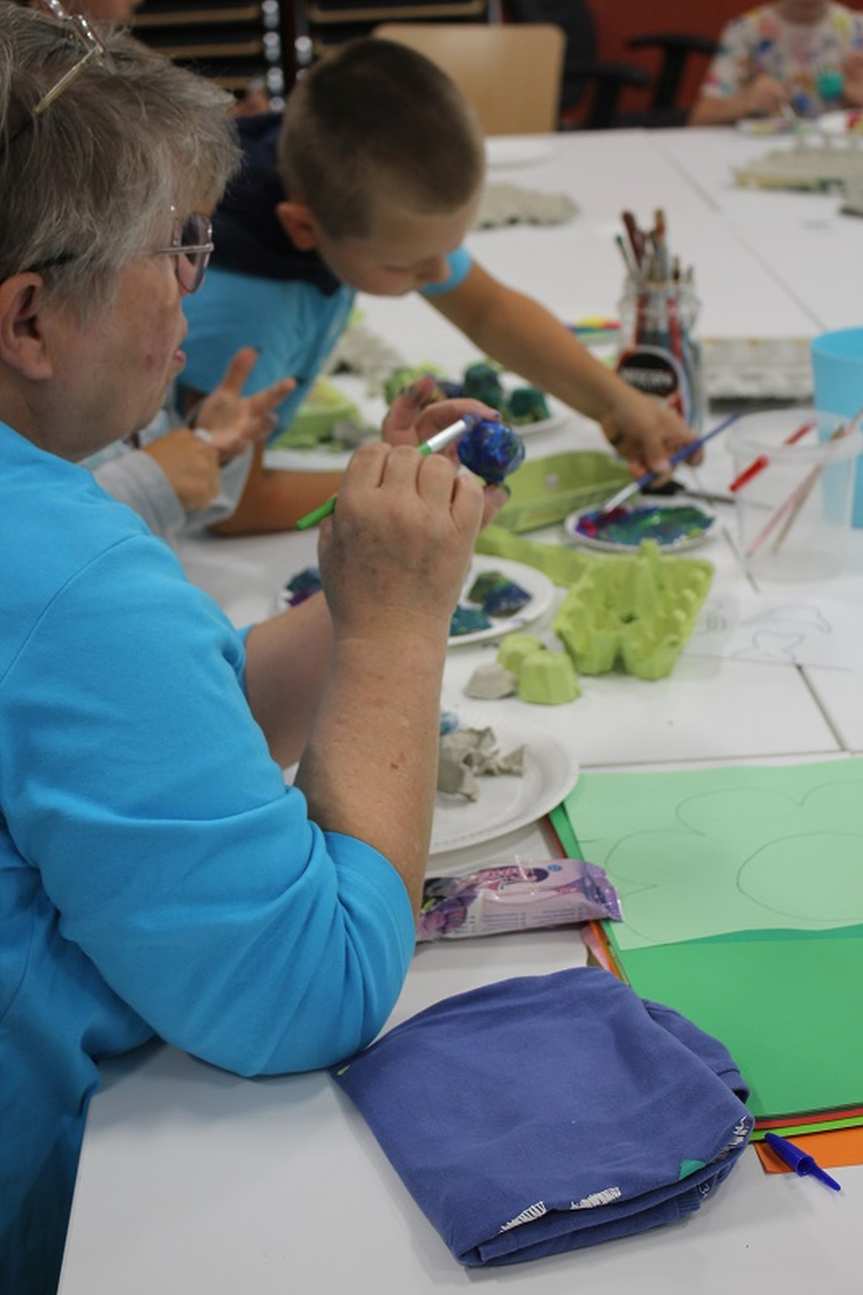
[(517, 150), (534, 582), (668, 501), (836, 123), (373, 409), (506, 802), (765, 127)]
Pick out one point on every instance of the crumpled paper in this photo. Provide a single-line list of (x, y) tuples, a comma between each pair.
[(471, 753)]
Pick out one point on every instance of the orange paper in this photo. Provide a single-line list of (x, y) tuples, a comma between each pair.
[(829, 1150)]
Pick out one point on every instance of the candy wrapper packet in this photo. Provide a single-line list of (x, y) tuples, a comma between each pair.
[(516, 897)]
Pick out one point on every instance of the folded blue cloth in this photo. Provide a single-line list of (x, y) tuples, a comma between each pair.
[(547, 1113)]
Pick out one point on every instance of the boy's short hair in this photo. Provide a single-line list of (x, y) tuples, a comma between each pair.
[(376, 120)]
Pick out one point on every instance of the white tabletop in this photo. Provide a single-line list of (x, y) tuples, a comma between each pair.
[(193, 1180)]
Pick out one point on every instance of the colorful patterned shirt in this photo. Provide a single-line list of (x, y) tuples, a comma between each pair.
[(807, 58)]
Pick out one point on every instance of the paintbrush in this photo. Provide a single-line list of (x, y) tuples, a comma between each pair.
[(792, 506), (435, 443), (686, 452), (761, 462)]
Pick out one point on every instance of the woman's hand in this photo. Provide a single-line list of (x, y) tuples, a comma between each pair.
[(395, 553), (414, 417)]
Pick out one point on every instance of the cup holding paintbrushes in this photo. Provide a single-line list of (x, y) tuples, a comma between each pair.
[(794, 511), (659, 353)]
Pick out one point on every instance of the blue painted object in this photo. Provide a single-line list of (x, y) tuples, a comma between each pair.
[(837, 364), (303, 585), (505, 599), (491, 450), (467, 620)]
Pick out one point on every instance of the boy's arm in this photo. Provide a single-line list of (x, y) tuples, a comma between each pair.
[(763, 97), (525, 337)]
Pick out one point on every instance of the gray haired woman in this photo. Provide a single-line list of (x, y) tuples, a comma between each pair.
[(156, 876)]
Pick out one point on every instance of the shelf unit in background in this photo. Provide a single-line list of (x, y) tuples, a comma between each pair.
[(233, 41)]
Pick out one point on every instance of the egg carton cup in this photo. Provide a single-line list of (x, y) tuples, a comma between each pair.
[(545, 491), (633, 613)]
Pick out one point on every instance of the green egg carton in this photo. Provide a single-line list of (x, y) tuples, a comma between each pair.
[(544, 491), (634, 612), (317, 416)]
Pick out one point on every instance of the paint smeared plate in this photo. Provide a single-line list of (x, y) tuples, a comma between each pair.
[(678, 545), (506, 803), (534, 582)]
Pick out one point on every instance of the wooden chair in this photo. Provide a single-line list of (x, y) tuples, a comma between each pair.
[(510, 74)]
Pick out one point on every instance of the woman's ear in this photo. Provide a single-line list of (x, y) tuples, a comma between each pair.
[(299, 224), (22, 339)]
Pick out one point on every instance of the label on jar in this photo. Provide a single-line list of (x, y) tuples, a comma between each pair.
[(657, 372)]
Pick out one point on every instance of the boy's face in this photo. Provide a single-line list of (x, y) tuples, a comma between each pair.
[(405, 250), (803, 11)]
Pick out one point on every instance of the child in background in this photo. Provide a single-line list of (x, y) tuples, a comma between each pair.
[(806, 55), (370, 184), (169, 474)]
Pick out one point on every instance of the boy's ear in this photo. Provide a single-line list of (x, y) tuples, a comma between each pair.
[(23, 345), (299, 224)]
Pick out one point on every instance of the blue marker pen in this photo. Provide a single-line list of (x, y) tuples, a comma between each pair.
[(799, 1161)]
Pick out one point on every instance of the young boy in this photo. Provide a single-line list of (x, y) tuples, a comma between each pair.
[(370, 184), (802, 54)]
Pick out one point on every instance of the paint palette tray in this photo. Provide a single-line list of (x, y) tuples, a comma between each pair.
[(633, 613), (545, 491), (757, 368)]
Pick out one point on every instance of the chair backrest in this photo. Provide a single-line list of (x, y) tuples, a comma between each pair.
[(510, 74)]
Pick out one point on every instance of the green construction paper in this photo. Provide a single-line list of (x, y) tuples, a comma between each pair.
[(716, 851), (793, 1130), (561, 824), (788, 1010)]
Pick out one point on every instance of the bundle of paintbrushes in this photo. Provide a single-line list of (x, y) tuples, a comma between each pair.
[(658, 311)]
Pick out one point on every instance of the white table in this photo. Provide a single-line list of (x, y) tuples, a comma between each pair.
[(193, 1180)]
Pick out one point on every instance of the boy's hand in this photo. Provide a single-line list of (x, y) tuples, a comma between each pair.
[(411, 419), (763, 97), (191, 466), (395, 553), (234, 420), (645, 432)]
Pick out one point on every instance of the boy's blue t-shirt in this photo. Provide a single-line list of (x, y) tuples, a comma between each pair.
[(292, 324), (156, 876)]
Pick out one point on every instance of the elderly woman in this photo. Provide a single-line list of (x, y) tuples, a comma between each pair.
[(156, 876)]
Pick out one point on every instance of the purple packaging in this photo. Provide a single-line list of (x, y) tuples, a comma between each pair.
[(516, 897)]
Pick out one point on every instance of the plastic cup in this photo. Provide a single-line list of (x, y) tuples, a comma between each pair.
[(837, 367), (793, 517)]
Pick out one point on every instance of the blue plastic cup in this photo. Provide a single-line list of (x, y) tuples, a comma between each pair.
[(837, 366)]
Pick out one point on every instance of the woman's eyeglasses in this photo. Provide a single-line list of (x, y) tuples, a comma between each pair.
[(192, 248)]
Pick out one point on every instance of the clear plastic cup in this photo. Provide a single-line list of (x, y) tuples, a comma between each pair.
[(837, 367), (793, 516)]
